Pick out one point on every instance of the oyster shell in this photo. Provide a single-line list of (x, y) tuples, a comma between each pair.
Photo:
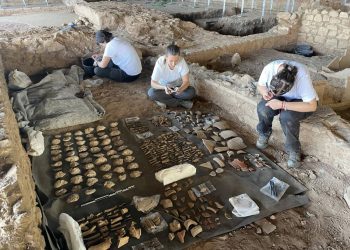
[(56, 151), (68, 134), (133, 165), (121, 148), (236, 143), (67, 143), (73, 164), (135, 174), (90, 191), (129, 158), (60, 192), (91, 181), (100, 128), (80, 143), (107, 176), (119, 170), (55, 141), (111, 152), (55, 146), (79, 132), (68, 138), (99, 134), (72, 158), (107, 148), (87, 160), (100, 160), (90, 173), (95, 150), (56, 157), (82, 148), (76, 179), (122, 177), (70, 153), (83, 154), (119, 142), (73, 198), (89, 130), (118, 162), (89, 166), (57, 164), (106, 142), (114, 133), (57, 136), (174, 226), (59, 174), (68, 149), (89, 136), (99, 155), (113, 124), (109, 184), (74, 171), (60, 183), (105, 167), (76, 188), (93, 143)]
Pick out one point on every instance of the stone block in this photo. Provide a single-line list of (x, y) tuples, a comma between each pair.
[(322, 31), (315, 11), (320, 39), (343, 44), (313, 31), (310, 38), (318, 18), (310, 17), (344, 36), (325, 18), (334, 20), (345, 22), (283, 15), (332, 33), (332, 27), (332, 43), (343, 15), (305, 22), (324, 12), (334, 13), (304, 29)]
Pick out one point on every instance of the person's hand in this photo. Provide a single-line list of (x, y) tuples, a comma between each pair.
[(95, 64), (267, 95), (179, 90), (274, 104), (168, 90), (95, 56)]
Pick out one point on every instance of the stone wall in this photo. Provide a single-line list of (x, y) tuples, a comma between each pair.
[(327, 30), (323, 135), (19, 217)]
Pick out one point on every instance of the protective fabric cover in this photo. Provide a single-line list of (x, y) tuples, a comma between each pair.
[(36, 142), (175, 173), (52, 104), (71, 231), (18, 80)]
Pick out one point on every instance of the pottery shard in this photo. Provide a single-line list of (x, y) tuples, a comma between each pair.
[(91, 181), (212, 173), (60, 183), (216, 138), (219, 162), (90, 173), (207, 165), (74, 171), (55, 141), (135, 174), (59, 174), (90, 191), (189, 223), (127, 152), (123, 241), (174, 226), (118, 162), (221, 125), (89, 130), (109, 184), (171, 236), (72, 198), (200, 134), (100, 160), (134, 232), (181, 236), (196, 230), (105, 142), (210, 145), (219, 170), (166, 203), (98, 155), (226, 134), (76, 179), (133, 165), (236, 143), (100, 128), (105, 167), (93, 143)]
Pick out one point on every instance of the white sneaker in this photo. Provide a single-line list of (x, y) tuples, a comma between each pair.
[(161, 104)]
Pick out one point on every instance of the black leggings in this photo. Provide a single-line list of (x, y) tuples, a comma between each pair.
[(114, 73)]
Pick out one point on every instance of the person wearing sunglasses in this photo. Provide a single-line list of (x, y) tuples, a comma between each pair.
[(120, 61), (287, 90)]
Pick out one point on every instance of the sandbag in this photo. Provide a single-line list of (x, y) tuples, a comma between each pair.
[(36, 142), (18, 80), (175, 173)]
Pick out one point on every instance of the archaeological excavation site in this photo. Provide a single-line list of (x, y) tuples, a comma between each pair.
[(168, 124)]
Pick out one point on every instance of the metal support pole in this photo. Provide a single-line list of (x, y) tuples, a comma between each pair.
[(271, 5), (253, 4), (224, 8), (242, 7), (25, 4), (263, 10), (287, 5), (293, 3)]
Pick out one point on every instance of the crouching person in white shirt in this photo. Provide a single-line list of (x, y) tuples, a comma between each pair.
[(120, 61), (170, 85)]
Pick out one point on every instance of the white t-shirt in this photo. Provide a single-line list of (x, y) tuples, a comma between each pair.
[(166, 76), (124, 56), (302, 88)]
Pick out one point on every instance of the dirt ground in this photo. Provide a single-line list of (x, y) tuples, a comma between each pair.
[(322, 224)]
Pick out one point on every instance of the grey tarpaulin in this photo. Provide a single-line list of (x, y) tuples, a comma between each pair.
[(52, 104)]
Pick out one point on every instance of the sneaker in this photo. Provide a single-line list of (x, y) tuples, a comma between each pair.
[(186, 104), (161, 105), (262, 141), (294, 160)]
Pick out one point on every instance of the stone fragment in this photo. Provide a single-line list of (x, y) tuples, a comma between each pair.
[(221, 125), (219, 162), (220, 149), (347, 196), (266, 226), (207, 165), (236, 143), (210, 145), (226, 134)]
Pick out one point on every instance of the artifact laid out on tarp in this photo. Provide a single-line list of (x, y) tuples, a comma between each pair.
[(52, 103), (146, 184)]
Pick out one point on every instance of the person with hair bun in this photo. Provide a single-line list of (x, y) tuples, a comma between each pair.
[(170, 85), (286, 89), (120, 61)]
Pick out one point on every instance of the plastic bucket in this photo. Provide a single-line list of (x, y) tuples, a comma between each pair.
[(88, 66)]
